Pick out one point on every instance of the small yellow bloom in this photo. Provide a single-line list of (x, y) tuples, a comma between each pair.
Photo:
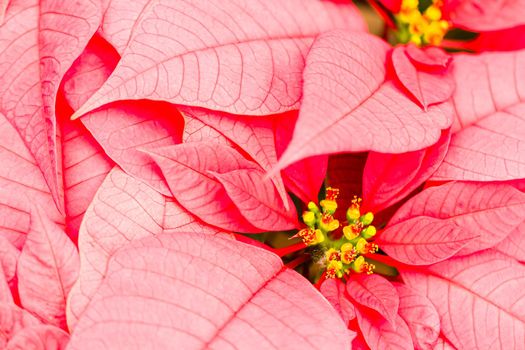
[(332, 254), (328, 223), (369, 232), (367, 218), (309, 218), (329, 206), (348, 253), (310, 236), (409, 4), (433, 13), (352, 231), (360, 246), (334, 269), (360, 265)]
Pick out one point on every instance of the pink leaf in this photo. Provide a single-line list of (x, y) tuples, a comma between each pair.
[(197, 131), (39, 40), (514, 244), (123, 129), (490, 106), (428, 86), (47, 268), (380, 334), (41, 337), (187, 168), (423, 240), (334, 291), (8, 260), (388, 178), (85, 167), (20, 179), (480, 299), (350, 106), (489, 212), (89, 71), (443, 344), (258, 200), (375, 292), (119, 20), (420, 316), (217, 58), (255, 136), (485, 15), (305, 177), (209, 292), (12, 320), (123, 209)]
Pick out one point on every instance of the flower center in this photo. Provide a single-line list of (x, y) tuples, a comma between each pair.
[(427, 28), (344, 247)]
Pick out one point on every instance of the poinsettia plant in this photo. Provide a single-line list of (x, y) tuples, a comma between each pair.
[(262, 174)]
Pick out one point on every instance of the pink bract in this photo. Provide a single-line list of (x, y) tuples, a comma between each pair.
[(161, 162)]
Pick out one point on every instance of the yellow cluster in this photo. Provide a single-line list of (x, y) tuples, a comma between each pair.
[(343, 251), (422, 28)]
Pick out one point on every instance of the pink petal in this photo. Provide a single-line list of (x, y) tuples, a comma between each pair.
[(84, 168), (119, 20), (490, 212), (257, 200), (8, 260), (380, 334), (304, 178), (125, 129), (485, 15), (375, 292), (12, 320), (209, 292), (430, 58), (514, 244), (89, 71), (187, 168), (197, 131), (21, 184), (426, 86), (334, 290), (47, 268), (348, 106), (490, 104), (38, 42), (123, 209), (41, 337), (423, 240), (420, 316), (443, 344), (388, 178), (217, 58), (479, 298), (255, 136)]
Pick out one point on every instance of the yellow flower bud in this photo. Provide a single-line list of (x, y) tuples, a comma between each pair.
[(351, 231), (360, 246), (369, 232), (367, 218), (348, 253), (334, 269), (433, 13), (309, 218)]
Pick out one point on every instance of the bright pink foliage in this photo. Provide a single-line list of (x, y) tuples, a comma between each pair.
[(202, 122), (255, 304)]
